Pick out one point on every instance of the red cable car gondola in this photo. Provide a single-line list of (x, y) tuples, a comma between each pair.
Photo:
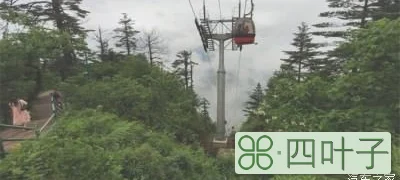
[(244, 31)]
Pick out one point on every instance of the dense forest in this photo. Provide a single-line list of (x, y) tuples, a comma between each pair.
[(128, 117)]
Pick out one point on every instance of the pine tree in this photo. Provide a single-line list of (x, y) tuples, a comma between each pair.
[(386, 9), (255, 100), (304, 56), (356, 14), (126, 34), (181, 66), (204, 105), (66, 16), (352, 14)]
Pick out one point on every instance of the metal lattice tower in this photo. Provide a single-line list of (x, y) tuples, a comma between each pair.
[(209, 34)]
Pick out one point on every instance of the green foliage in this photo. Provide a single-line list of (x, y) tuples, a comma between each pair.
[(134, 90), (368, 92), (396, 156), (65, 15), (24, 61), (255, 121), (204, 105), (96, 145), (226, 166), (205, 116), (181, 66), (351, 15), (255, 100), (304, 57), (305, 177), (122, 96), (365, 98), (355, 14)]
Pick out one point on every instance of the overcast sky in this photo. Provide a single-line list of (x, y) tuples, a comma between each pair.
[(275, 22)]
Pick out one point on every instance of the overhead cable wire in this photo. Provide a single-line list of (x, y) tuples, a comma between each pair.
[(238, 73), (238, 79), (220, 14), (220, 11), (191, 6), (245, 6)]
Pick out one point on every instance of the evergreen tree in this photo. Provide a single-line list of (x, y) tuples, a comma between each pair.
[(351, 14), (209, 126), (126, 34), (181, 66), (356, 14), (386, 9), (66, 16), (204, 105), (255, 100), (304, 56)]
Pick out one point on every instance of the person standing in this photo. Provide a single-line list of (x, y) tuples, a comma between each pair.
[(20, 114), (57, 97), (25, 113)]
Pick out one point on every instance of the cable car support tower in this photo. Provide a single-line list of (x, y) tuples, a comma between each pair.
[(220, 31)]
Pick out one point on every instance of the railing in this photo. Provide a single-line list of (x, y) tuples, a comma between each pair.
[(56, 109), (46, 123)]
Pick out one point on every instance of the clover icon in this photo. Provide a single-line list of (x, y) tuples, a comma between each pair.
[(255, 152)]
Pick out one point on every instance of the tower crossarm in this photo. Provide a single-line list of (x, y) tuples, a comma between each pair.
[(208, 35)]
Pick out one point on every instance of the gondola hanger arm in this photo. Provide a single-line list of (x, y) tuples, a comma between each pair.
[(251, 10)]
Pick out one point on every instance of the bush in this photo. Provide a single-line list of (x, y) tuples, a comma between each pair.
[(96, 145)]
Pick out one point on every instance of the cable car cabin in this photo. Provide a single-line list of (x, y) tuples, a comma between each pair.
[(244, 31)]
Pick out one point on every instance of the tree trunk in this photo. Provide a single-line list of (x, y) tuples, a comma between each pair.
[(299, 72), (364, 14), (128, 47), (102, 46), (191, 76), (150, 50), (300, 61), (186, 72)]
